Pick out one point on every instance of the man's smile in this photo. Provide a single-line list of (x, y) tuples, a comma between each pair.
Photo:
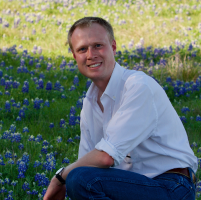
[(94, 65)]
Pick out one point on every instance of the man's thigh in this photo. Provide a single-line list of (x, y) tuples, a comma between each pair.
[(105, 184)]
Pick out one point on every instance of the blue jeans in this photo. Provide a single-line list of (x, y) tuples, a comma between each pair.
[(115, 184)]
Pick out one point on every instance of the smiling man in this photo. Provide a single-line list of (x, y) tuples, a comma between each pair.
[(133, 144)]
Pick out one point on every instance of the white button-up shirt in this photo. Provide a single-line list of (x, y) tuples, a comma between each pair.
[(138, 122)]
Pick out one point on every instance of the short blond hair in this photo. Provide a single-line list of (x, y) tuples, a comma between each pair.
[(86, 22)]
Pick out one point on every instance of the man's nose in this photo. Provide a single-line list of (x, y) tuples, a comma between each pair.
[(91, 53)]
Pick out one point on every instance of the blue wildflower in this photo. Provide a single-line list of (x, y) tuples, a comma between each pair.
[(21, 146), (25, 130), (66, 160), (59, 139), (25, 186), (62, 122), (49, 85), (7, 106), (47, 103), (51, 125)]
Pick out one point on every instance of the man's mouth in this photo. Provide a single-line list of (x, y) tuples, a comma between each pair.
[(94, 65)]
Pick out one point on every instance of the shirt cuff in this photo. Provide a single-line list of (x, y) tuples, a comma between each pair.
[(107, 147)]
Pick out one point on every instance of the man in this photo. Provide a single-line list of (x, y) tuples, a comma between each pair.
[(133, 144)]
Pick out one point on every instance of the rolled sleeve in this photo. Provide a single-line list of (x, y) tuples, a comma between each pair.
[(107, 147)]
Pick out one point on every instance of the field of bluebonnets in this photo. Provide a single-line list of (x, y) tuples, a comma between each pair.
[(41, 90)]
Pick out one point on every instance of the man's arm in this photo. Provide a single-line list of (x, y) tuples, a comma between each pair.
[(94, 158)]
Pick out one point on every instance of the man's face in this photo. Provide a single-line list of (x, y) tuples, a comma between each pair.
[(94, 52)]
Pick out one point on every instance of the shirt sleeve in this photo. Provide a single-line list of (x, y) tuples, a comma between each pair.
[(133, 123), (86, 145)]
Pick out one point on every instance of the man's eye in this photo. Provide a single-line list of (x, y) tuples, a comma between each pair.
[(82, 49), (98, 45)]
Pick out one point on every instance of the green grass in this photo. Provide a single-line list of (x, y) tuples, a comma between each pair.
[(157, 31)]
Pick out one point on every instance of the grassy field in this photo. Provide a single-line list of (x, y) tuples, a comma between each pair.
[(41, 90)]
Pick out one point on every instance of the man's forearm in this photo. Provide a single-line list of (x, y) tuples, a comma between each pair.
[(95, 158)]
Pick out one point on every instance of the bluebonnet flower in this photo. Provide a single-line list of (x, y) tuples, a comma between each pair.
[(199, 149), (37, 163), (49, 66), (40, 84), (21, 175), (66, 160), (44, 191), (72, 120), (25, 89), (30, 62), (22, 167), (3, 190), (22, 61), (50, 164), (51, 125), (31, 138), (1, 93), (38, 65), (7, 106), (42, 180), (39, 138), (76, 80), (190, 47), (12, 128), (1, 73), (183, 119), (59, 139), (34, 192), (2, 162), (3, 81), (8, 154), (45, 143), (25, 130), (21, 113), (79, 103), (198, 118), (16, 137), (88, 83), (63, 96), (7, 93), (37, 103), (44, 149), (14, 183), (21, 146), (72, 110), (25, 157), (185, 109), (194, 144), (47, 103), (70, 140), (26, 102), (72, 88), (62, 122), (7, 180), (7, 85), (57, 85), (49, 85), (25, 186), (77, 137), (16, 84)]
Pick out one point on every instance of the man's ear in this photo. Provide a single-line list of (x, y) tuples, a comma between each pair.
[(114, 47)]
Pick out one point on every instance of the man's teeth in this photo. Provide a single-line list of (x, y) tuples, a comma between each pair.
[(95, 65)]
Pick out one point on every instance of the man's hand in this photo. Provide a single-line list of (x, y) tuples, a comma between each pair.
[(55, 190)]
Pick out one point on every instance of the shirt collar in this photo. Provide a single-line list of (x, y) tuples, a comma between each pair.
[(112, 86)]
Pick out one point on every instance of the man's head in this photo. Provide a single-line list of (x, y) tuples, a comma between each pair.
[(87, 22), (93, 49)]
